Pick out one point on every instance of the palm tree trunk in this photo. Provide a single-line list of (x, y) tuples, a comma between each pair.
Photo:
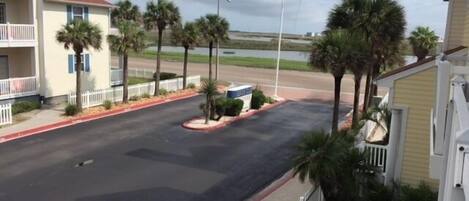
[(184, 73), (367, 89), (78, 81), (125, 95), (158, 64), (372, 88), (210, 47), (356, 99), (335, 116)]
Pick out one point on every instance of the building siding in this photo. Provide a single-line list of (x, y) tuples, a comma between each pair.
[(54, 67), (417, 93), (458, 24)]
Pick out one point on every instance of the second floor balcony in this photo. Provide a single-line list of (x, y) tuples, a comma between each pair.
[(17, 23), (17, 35)]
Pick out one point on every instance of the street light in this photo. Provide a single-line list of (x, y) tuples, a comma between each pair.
[(279, 49), (218, 44)]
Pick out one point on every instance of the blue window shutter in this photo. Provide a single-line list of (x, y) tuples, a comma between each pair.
[(69, 13), (87, 63), (70, 64), (86, 13)]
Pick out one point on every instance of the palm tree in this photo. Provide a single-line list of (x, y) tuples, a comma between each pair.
[(329, 54), (332, 163), (214, 29), (382, 22), (125, 10), (79, 35), (131, 37), (188, 36), (209, 88), (423, 40), (160, 16)]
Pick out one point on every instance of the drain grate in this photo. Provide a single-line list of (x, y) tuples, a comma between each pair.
[(84, 163)]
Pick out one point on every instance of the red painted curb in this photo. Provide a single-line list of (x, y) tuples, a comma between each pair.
[(235, 119), (78, 120), (272, 187)]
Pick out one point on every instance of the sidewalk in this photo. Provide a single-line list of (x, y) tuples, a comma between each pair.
[(44, 116), (290, 191)]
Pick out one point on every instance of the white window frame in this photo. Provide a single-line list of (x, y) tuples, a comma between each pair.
[(82, 12), (82, 63)]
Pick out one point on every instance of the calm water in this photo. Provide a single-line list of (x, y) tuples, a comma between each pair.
[(269, 54)]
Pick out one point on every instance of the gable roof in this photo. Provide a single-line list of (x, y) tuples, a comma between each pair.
[(98, 3), (417, 64)]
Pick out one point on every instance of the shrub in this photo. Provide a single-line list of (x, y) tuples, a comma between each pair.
[(165, 76), (258, 99), (163, 92), (24, 106), (71, 110), (191, 86), (422, 193), (220, 107), (233, 107), (107, 104), (134, 98), (269, 100), (146, 95)]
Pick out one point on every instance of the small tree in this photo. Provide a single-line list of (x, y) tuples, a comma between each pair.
[(188, 36), (79, 35), (160, 16), (423, 40), (131, 38), (214, 29), (209, 88)]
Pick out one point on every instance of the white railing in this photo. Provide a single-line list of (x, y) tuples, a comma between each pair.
[(17, 32), (5, 114), (378, 156), (17, 87), (95, 98)]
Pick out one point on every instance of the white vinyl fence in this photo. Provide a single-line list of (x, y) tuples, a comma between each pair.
[(5, 114), (114, 94)]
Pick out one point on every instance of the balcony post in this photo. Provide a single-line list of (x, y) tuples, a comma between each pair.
[(442, 90), (9, 32)]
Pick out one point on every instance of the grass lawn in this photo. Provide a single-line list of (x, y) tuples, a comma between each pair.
[(138, 80), (237, 61)]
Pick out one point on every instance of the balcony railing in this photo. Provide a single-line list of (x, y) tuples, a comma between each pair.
[(17, 33), (378, 156), (17, 87)]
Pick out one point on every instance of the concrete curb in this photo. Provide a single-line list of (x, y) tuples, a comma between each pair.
[(235, 119), (272, 187), (78, 120)]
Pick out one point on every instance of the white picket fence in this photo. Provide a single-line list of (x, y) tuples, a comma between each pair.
[(6, 116), (114, 94)]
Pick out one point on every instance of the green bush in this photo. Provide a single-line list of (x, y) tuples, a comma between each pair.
[(258, 99), (71, 110), (422, 193), (269, 100), (220, 107), (146, 95), (107, 104), (134, 98), (191, 86), (165, 76), (233, 107), (163, 92), (24, 106)]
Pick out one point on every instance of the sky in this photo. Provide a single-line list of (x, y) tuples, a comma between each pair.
[(301, 15)]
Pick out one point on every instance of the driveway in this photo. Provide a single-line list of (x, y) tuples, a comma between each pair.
[(295, 85), (146, 155)]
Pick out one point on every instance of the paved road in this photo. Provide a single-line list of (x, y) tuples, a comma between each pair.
[(293, 84), (147, 156)]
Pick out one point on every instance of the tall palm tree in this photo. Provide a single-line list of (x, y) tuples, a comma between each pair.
[(188, 36), (382, 22), (329, 54), (332, 163), (125, 10), (79, 35), (214, 29), (160, 16), (209, 88), (131, 37), (423, 40)]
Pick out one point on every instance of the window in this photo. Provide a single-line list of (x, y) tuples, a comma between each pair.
[(3, 17), (78, 13), (84, 66)]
